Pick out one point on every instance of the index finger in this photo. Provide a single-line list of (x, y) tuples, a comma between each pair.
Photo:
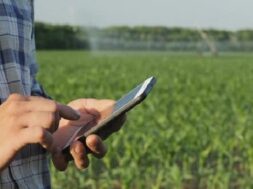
[(43, 104), (67, 112)]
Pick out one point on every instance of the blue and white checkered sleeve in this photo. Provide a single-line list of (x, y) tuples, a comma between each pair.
[(36, 87)]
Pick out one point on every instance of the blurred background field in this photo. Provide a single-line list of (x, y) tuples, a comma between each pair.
[(195, 130)]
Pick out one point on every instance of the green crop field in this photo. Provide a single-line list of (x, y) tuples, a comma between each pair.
[(195, 130)]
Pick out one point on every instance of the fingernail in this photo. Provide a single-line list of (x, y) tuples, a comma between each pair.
[(77, 114), (78, 150)]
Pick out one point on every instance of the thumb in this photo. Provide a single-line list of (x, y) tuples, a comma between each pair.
[(59, 160)]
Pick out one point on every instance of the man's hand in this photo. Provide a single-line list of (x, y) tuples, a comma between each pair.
[(28, 120), (91, 111)]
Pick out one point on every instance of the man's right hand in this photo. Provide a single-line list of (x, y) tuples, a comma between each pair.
[(28, 120)]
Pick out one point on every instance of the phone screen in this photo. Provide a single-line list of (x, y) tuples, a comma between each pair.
[(125, 100), (142, 89)]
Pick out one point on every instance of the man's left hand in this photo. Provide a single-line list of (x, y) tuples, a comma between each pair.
[(91, 111)]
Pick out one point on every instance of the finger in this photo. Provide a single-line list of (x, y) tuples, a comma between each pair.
[(33, 135), (67, 112), (96, 146), (47, 120), (43, 104), (59, 160), (17, 97), (79, 155), (56, 121)]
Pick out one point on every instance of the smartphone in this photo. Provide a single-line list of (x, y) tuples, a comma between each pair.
[(123, 105)]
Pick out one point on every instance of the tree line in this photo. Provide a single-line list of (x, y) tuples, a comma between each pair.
[(49, 36), (139, 38)]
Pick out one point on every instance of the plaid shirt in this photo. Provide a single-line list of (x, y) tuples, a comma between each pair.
[(18, 68)]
